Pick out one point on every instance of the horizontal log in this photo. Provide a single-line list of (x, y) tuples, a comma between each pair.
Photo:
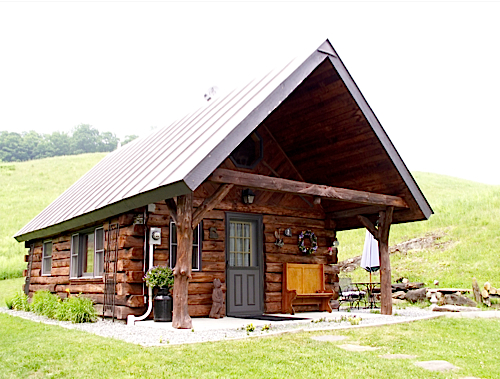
[(300, 188), (274, 209), (274, 267), (274, 307), (288, 258), (128, 265), (81, 288), (207, 277), (162, 255), (272, 287), (331, 269), (199, 310), (60, 255), (63, 238), (128, 289), (133, 230), (62, 246), (133, 301), (126, 219), (130, 277), (293, 249), (36, 265), (130, 241), (200, 288), (213, 245), (160, 263), (293, 222), (271, 238), (61, 263), (132, 253), (273, 277), (60, 271), (42, 287), (161, 220), (213, 256), (214, 266), (200, 299), (218, 224), (49, 279), (270, 297)]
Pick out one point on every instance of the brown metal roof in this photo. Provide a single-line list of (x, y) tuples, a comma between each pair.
[(176, 159)]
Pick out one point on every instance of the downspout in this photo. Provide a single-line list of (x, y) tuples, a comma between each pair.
[(154, 239), (131, 319)]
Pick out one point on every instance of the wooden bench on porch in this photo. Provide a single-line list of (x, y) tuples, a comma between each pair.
[(304, 284)]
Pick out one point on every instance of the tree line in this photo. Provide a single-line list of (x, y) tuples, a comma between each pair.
[(17, 147)]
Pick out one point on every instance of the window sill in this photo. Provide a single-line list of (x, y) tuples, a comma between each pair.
[(99, 279)]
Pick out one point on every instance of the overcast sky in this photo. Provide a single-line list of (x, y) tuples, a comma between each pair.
[(429, 70)]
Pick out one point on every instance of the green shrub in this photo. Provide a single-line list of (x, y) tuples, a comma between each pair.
[(45, 303), (77, 309), (9, 302), (20, 302)]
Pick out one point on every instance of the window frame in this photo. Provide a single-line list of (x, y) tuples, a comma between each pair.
[(77, 254), (47, 258), (199, 247)]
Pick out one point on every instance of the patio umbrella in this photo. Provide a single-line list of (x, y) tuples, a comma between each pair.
[(370, 260)]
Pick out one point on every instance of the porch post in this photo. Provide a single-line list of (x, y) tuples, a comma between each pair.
[(385, 220), (182, 270)]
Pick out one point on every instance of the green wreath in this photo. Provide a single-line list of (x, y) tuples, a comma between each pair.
[(314, 242)]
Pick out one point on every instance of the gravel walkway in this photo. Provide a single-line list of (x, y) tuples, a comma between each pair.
[(161, 336)]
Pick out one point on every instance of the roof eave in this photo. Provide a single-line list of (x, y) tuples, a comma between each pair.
[(379, 131), (111, 210)]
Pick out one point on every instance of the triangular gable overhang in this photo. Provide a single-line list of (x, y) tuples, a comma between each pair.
[(213, 159)]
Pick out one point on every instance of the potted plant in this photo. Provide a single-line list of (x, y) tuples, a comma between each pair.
[(163, 279)]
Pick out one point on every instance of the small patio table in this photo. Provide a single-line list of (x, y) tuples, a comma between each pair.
[(370, 288)]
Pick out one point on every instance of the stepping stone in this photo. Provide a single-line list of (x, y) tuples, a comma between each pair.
[(437, 365), (397, 356), (329, 338), (358, 348)]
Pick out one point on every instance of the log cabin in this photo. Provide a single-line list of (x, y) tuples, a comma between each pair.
[(226, 193)]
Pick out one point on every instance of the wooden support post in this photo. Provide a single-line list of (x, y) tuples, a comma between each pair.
[(385, 220), (182, 270), (210, 203)]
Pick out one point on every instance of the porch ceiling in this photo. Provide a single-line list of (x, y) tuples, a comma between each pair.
[(324, 132)]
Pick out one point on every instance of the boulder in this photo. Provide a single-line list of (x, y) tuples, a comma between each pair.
[(456, 299), (399, 295), (416, 295)]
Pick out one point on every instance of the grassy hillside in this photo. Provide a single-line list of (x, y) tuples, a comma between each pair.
[(468, 214), (27, 188)]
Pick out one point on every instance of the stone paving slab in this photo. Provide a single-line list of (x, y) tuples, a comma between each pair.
[(437, 365), (357, 348)]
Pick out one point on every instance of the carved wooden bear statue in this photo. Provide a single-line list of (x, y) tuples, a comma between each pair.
[(217, 300)]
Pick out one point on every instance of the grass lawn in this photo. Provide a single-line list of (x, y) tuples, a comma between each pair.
[(469, 215), (29, 349), (27, 188), (9, 287)]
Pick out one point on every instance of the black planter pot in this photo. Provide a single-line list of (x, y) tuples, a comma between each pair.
[(163, 306)]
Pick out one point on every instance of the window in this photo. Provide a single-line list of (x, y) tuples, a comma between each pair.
[(197, 245), (87, 253), (249, 152), (47, 258), (240, 244)]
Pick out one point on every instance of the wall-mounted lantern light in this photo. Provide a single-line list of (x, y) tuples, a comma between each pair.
[(248, 196)]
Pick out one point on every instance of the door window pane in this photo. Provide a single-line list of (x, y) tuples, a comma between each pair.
[(240, 244)]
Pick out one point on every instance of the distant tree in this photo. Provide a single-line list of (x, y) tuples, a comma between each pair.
[(84, 139), (107, 141), (60, 143), (10, 147), (129, 138)]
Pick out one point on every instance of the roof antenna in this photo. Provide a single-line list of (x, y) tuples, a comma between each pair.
[(212, 91)]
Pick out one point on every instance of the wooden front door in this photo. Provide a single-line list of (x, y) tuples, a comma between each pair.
[(244, 263)]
